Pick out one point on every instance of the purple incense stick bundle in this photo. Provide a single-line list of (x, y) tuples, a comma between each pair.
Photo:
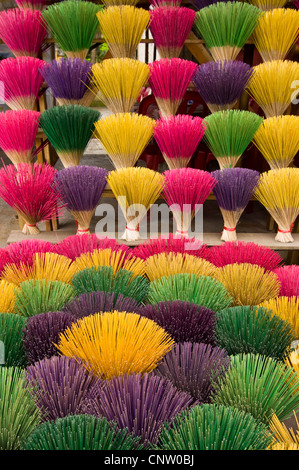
[(42, 331), (96, 302), (170, 27), (80, 188), (199, 4), (140, 403), (222, 83), (69, 80), (58, 386), (194, 368), (234, 189), (184, 321)]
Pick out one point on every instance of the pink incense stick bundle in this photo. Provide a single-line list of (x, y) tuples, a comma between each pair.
[(27, 189), (169, 80), (178, 137), (18, 130), (22, 31), (185, 191), (288, 277), (170, 27), (20, 82)]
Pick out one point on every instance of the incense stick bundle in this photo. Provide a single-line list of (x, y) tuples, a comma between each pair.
[(124, 137), (271, 85), (32, 4), (109, 3), (20, 82), (287, 308), (135, 189), (74, 246), (73, 25), (69, 129), (185, 191), (233, 191), (278, 140), (7, 299), (284, 438), (27, 189), (222, 83), (267, 5), (226, 26), (288, 276), (169, 80), (22, 31), (11, 337), (18, 130), (118, 82), (172, 244), (278, 191), (276, 33), (170, 27), (229, 133), (69, 81), (122, 28), (165, 3), (178, 138), (80, 188)]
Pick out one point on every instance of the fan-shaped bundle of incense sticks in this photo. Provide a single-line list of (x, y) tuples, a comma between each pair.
[(171, 244), (122, 28), (233, 191), (42, 332), (184, 321), (289, 280), (139, 403), (11, 337), (169, 80), (226, 26), (117, 259), (170, 27), (185, 191), (286, 308), (278, 140), (267, 5), (199, 4), (276, 33), (69, 80), (284, 438), (80, 432), (27, 189), (7, 297), (293, 359), (22, 31), (42, 296), (248, 284), (194, 368), (58, 386), (69, 129), (275, 388), (18, 130), (136, 190), (165, 3), (271, 85), (80, 188), (244, 252), (222, 83), (21, 82), (50, 266), (129, 343), (200, 290), (124, 137), (214, 427), (256, 330), (32, 4), (109, 3), (19, 415), (73, 25), (104, 279), (24, 251), (229, 133), (278, 191), (119, 82), (74, 246), (99, 301), (166, 264), (178, 138)]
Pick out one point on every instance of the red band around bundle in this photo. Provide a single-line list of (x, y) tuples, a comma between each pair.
[(83, 230), (228, 229), (287, 231), (133, 229), (28, 225)]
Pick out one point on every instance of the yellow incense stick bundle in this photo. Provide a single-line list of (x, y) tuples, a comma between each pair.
[(286, 308), (278, 191), (7, 297), (266, 5), (276, 33), (278, 140), (284, 438), (122, 28), (124, 137)]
